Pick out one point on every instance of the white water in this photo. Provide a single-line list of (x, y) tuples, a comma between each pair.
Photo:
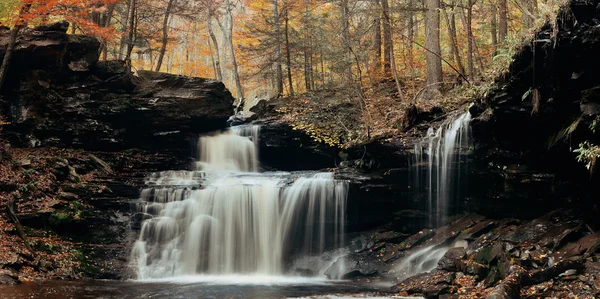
[(437, 156), (423, 260), (226, 219), (436, 164)]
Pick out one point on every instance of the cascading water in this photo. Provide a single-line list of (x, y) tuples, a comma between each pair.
[(437, 154), (227, 219), (436, 163)]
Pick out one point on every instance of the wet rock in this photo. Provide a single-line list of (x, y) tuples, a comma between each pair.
[(354, 265), (242, 117), (452, 259), (100, 164), (505, 290), (418, 238), (552, 272), (68, 196)]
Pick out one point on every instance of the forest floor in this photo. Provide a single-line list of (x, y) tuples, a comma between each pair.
[(56, 219), (32, 183), (345, 118)]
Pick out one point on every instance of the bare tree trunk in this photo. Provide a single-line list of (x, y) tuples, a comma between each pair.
[(346, 38), (387, 39), (306, 67), (395, 72), (287, 54), (124, 26), (278, 69), (12, 215), (14, 33), (236, 75), (165, 35), (306, 46), (131, 35), (432, 42), (470, 39), (216, 44), (376, 64), (502, 20), (411, 36), (212, 59), (451, 25), (106, 23), (493, 29), (12, 41), (322, 69)]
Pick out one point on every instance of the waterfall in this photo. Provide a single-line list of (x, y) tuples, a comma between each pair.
[(436, 163), (225, 218), (438, 155)]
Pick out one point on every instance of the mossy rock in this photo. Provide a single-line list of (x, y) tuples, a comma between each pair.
[(60, 219)]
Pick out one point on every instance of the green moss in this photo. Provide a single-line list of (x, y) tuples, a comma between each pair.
[(60, 218)]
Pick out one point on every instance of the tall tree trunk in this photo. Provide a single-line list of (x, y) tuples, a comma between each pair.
[(470, 39), (306, 46), (236, 75), (288, 54), (451, 25), (432, 42), (131, 34), (278, 69), (105, 23), (395, 72), (387, 39), (165, 35), (411, 36), (217, 53), (376, 64), (493, 29), (12, 41), (124, 25), (346, 40), (502, 20), (306, 68), (212, 60), (14, 33)]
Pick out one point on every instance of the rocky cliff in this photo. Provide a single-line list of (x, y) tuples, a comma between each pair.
[(59, 94)]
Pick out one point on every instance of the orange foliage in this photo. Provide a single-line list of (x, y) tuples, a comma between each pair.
[(77, 12)]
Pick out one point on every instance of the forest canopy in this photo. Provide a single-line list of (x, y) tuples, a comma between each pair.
[(382, 54)]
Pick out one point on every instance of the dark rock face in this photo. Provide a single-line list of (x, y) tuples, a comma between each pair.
[(283, 148), (509, 259), (59, 94), (523, 154)]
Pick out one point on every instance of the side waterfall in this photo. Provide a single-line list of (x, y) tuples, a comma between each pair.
[(225, 218), (437, 154), (437, 172)]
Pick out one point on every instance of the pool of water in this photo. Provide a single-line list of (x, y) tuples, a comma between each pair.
[(192, 287)]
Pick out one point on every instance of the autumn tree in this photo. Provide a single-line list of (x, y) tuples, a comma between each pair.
[(80, 13), (432, 45)]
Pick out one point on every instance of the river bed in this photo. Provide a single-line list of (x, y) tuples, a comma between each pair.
[(192, 287)]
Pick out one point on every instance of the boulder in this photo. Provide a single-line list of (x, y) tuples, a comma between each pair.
[(354, 265), (452, 259)]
